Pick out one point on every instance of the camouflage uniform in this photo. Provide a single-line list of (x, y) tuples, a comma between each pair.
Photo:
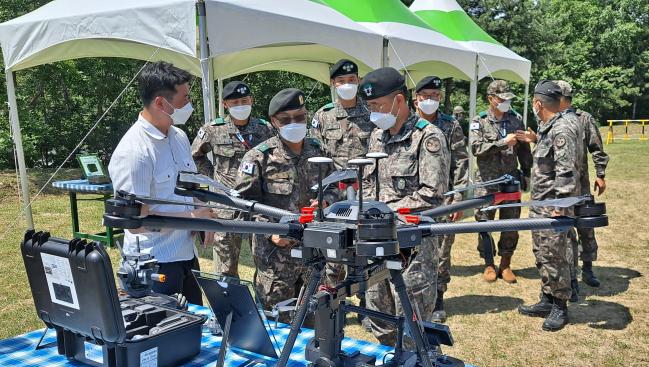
[(495, 158), (223, 139), (273, 175), (414, 175), (555, 174), (458, 177), (344, 132)]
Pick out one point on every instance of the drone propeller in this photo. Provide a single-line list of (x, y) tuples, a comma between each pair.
[(337, 176), (154, 201), (199, 179), (559, 203), (505, 179)]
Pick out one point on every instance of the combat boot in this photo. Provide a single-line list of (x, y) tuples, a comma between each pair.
[(505, 271), (439, 315), (489, 274), (558, 317), (574, 286), (587, 275), (540, 309)]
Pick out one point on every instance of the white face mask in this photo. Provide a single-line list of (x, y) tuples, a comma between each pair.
[(384, 120), (240, 112), (293, 132), (181, 115), (536, 113), (428, 106), (504, 106), (347, 91)]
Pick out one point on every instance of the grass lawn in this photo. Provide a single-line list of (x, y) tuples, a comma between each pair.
[(609, 326)]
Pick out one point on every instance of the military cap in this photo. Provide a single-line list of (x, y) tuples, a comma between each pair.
[(458, 109), (566, 88), (286, 100), (548, 88), (429, 82), (236, 89), (500, 89), (343, 67), (381, 82)]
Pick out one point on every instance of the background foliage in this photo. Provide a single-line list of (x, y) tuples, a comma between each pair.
[(601, 46)]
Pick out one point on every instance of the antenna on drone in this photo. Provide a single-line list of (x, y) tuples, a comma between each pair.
[(360, 163), (321, 162), (376, 156)]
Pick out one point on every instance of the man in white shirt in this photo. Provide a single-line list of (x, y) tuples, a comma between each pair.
[(146, 162)]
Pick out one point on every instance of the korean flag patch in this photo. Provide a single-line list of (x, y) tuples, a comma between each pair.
[(201, 133), (475, 125), (315, 122), (247, 167)]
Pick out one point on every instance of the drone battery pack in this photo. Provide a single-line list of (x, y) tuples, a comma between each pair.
[(74, 292)]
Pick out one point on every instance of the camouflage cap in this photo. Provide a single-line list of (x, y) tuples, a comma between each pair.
[(566, 88), (458, 109), (500, 89)]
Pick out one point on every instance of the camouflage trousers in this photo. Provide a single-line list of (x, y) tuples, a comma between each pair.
[(420, 278), (278, 277), (226, 251), (508, 240), (553, 256)]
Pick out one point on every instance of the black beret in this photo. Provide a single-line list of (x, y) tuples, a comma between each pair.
[(548, 88), (286, 100), (343, 67), (429, 82), (236, 89), (381, 82)]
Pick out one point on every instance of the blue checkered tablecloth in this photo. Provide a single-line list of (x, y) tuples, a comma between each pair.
[(19, 350), (83, 186)]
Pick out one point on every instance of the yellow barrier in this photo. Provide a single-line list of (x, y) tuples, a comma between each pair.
[(610, 137)]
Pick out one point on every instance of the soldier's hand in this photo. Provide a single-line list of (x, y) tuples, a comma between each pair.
[(510, 139), (314, 203), (600, 186), (279, 241), (144, 210), (528, 136), (456, 216), (209, 239), (207, 213)]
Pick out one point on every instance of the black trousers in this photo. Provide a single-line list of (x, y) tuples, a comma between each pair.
[(180, 280)]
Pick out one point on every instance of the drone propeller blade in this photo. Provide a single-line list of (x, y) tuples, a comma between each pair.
[(559, 203), (204, 180), (153, 201), (505, 179), (337, 176)]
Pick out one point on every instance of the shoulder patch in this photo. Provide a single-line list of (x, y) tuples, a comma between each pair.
[(263, 147), (315, 122), (263, 122), (483, 114), (421, 124), (433, 144), (247, 167), (201, 133), (218, 121), (328, 106), (559, 141), (475, 126)]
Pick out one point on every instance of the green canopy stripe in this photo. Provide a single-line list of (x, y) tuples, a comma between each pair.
[(377, 12), (456, 25)]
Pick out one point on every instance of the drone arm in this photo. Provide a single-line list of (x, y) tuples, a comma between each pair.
[(236, 203), (512, 225), (446, 210)]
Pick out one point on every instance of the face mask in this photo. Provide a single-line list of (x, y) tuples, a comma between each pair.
[(347, 91), (428, 106), (536, 113), (181, 115), (240, 112), (383, 120), (504, 106), (293, 132)]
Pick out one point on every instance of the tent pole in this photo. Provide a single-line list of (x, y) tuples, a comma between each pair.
[(473, 103), (385, 60), (221, 107), (527, 92), (18, 141), (212, 91), (206, 71)]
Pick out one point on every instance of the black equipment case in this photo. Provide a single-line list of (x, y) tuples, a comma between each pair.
[(74, 292)]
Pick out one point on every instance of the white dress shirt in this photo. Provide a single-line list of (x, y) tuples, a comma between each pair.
[(146, 163)]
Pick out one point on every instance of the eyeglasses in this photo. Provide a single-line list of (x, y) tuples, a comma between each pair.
[(299, 118)]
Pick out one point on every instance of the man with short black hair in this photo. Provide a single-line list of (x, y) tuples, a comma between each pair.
[(555, 174), (229, 139), (146, 162)]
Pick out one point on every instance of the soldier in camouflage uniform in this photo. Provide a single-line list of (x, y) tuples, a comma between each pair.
[(277, 173), (497, 151), (555, 174), (343, 127), (587, 244), (415, 176), (428, 93), (458, 114), (229, 139)]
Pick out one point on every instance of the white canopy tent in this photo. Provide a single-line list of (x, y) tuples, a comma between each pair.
[(300, 35)]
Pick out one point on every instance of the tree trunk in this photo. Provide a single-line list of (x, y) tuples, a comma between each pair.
[(448, 88)]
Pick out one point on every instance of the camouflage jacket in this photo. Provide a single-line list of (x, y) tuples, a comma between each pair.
[(557, 158), (459, 173), (415, 173), (344, 132), (592, 144), (494, 157), (224, 140)]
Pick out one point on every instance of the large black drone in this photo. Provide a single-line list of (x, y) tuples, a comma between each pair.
[(371, 239)]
